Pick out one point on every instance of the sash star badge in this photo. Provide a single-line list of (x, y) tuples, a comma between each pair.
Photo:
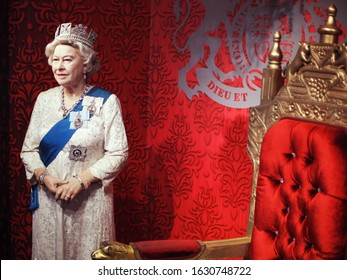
[(77, 153)]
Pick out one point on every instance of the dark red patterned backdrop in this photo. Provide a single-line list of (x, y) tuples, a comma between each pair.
[(188, 173)]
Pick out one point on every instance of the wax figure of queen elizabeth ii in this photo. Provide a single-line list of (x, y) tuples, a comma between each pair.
[(74, 147)]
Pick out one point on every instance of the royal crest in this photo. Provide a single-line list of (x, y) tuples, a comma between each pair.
[(229, 49)]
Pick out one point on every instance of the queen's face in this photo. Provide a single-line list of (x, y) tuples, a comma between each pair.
[(67, 66)]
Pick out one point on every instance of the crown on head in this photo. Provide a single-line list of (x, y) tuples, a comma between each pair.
[(78, 33)]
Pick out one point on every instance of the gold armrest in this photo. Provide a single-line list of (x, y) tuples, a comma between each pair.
[(216, 249), (113, 250), (227, 248)]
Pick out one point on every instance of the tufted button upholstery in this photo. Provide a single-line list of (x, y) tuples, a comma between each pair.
[(301, 199)]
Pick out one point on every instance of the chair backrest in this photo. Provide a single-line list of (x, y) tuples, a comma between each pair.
[(298, 145)]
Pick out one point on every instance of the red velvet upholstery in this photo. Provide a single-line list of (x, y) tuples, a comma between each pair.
[(167, 249), (301, 197)]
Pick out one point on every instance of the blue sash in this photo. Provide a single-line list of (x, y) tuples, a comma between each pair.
[(58, 136), (56, 139)]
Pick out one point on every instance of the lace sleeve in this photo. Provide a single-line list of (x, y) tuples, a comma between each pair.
[(30, 149), (116, 145)]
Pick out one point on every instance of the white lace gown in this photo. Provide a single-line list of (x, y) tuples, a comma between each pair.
[(74, 229)]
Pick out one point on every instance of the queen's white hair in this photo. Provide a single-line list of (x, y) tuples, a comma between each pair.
[(88, 55)]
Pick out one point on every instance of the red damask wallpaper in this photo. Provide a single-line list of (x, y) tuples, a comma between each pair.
[(188, 175)]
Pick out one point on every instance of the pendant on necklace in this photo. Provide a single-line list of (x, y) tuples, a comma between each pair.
[(66, 111)]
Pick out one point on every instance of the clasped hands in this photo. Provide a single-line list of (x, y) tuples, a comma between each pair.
[(65, 189), (62, 189)]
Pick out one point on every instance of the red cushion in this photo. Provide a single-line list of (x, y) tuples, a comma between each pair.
[(301, 197), (168, 249)]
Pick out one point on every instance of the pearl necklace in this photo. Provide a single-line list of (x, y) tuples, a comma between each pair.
[(62, 105)]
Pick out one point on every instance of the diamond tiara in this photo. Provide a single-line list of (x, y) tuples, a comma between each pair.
[(78, 33)]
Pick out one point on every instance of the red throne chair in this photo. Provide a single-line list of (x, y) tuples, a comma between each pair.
[(298, 146)]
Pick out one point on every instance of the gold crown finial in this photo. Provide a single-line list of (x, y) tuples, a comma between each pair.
[(329, 33), (275, 55), (78, 33)]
